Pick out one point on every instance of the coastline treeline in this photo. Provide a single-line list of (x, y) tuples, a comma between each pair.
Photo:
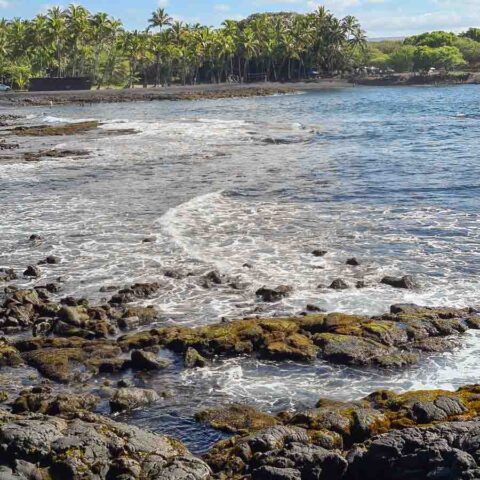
[(74, 42)]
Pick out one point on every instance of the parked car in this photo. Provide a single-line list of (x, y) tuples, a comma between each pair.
[(4, 88)]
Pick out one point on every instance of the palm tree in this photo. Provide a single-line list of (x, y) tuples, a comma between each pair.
[(56, 28), (75, 42), (100, 25), (250, 48), (159, 19), (78, 29)]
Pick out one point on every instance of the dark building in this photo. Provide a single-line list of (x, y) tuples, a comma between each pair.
[(53, 84)]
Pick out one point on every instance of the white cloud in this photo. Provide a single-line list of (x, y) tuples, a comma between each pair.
[(4, 4), (162, 3), (221, 7)]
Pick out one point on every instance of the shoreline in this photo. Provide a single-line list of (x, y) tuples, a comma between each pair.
[(172, 93), (219, 91)]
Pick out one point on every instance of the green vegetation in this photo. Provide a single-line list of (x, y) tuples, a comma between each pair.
[(74, 42), (421, 53)]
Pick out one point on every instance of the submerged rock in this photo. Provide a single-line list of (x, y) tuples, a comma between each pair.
[(35, 238), (319, 253), (339, 284), (212, 278), (50, 260), (55, 130)]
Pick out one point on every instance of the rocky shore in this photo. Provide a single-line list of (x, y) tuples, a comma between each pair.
[(411, 79), (47, 433), (74, 360), (195, 92)]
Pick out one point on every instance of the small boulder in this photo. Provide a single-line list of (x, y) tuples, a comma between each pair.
[(175, 274), (314, 308), (142, 360), (353, 262), (71, 316), (53, 260), (407, 282), (268, 472), (338, 284), (212, 278), (32, 271), (7, 274), (274, 294), (36, 238), (236, 418), (52, 287), (193, 359), (319, 253), (108, 288), (130, 398)]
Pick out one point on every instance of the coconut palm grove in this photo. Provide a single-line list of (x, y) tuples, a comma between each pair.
[(74, 42)]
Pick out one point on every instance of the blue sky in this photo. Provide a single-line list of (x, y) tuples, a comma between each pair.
[(380, 18)]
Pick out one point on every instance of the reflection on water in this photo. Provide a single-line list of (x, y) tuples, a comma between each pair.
[(389, 176)]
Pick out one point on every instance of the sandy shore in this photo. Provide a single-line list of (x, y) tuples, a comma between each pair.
[(196, 92)]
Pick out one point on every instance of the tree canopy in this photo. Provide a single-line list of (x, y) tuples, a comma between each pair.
[(420, 53), (76, 42)]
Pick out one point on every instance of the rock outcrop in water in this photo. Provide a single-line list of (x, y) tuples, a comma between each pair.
[(56, 435), (82, 335), (391, 340), (415, 435), (54, 130)]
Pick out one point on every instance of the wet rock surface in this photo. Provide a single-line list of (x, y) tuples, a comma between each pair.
[(130, 398), (407, 282), (74, 342), (382, 436), (447, 451), (54, 130), (90, 446), (390, 340), (236, 419), (274, 294)]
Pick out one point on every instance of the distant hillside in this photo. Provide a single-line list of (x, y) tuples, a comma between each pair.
[(386, 39)]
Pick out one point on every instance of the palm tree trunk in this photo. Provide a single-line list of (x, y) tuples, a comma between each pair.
[(157, 69)]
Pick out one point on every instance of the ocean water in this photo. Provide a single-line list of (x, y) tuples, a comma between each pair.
[(388, 175)]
